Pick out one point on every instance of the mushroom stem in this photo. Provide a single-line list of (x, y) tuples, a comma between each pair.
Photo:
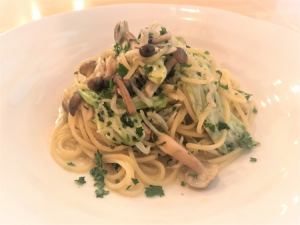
[(125, 95), (179, 56), (164, 37), (150, 88)]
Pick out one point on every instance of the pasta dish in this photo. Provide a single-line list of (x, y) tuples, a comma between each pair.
[(148, 111)]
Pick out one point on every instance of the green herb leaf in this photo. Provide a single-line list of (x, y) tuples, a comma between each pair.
[(163, 31), (253, 159), (206, 52), (153, 190), (185, 65), (182, 183), (98, 173), (139, 131), (135, 181), (223, 126), (126, 121), (80, 181), (254, 110), (193, 175), (210, 126), (70, 164), (247, 95), (223, 86), (148, 69), (129, 186), (246, 141), (122, 70), (117, 48)]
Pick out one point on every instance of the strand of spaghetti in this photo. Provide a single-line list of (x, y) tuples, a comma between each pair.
[(226, 108), (202, 147), (131, 71), (228, 156), (201, 119), (173, 175), (195, 81), (242, 115), (187, 104), (233, 97), (171, 118), (99, 146), (123, 60), (189, 133), (129, 172), (80, 140), (187, 127), (82, 130), (178, 119), (146, 158)]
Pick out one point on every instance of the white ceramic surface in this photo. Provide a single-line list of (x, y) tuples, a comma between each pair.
[(36, 63)]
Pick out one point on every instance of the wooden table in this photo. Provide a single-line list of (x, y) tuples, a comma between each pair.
[(17, 12)]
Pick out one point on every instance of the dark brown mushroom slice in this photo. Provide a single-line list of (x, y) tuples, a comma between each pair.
[(147, 50), (179, 56), (74, 103), (88, 68), (96, 84)]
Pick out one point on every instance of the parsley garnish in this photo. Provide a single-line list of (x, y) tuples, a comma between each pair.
[(223, 86), (126, 121), (247, 96), (246, 142), (206, 52), (210, 126), (148, 69), (139, 131), (193, 175), (185, 65), (129, 186), (222, 126), (108, 123), (254, 110), (182, 183), (153, 190), (163, 31), (253, 159), (122, 70), (118, 48), (98, 174), (80, 181), (70, 164), (135, 181)]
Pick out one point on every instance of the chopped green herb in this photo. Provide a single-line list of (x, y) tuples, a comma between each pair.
[(247, 95), (210, 126), (122, 70), (206, 52), (108, 123), (223, 86), (117, 181), (163, 31), (182, 183), (219, 72), (126, 47), (117, 48), (135, 181), (126, 121), (108, 109), (254, 110), (223, 126), (194, 175), (153, 190), (148, 69), (129, 186), (246, 142), (199, 73), (98, 173), (139, 131), (185, 65), (70, 164), (80, 181), (253, 159)]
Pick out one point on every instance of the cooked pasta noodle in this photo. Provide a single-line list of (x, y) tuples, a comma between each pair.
[(155, 110)]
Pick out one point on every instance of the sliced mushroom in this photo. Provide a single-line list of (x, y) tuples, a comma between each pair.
[(179, 56), (88, 68), (74, 103), (202, 179), (161, 38), (96, 84), (110, 67), (150, 88), (121, 33), (125, 95), (147, 50)]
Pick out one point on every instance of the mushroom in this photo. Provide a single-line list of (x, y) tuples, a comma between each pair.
[(96, 84), (87, 68), (161, 38), (147, 50), (121, 33), (125, 95), (202, 179), (179, 56), (74, 103), (110, 67)]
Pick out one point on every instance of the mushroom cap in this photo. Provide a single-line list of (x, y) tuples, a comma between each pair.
[(74, 103), (88, 68), (180, 55), (202, 179)]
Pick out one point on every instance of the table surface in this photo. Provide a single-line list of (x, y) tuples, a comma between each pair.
[(17, 12)]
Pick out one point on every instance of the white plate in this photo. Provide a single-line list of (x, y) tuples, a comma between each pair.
[(37, 62)]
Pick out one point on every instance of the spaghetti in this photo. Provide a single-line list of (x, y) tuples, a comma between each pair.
[(155, 110)]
